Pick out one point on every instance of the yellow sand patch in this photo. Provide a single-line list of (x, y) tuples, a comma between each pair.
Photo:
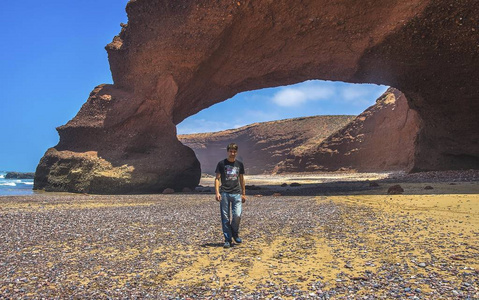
[(426, 232), (300, 261)]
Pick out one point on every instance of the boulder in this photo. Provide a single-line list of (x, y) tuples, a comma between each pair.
[(395, 189)]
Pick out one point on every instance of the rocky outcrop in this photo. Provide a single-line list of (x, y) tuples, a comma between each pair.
[(19, 175), (116, 144), (175, 58), (262, 145), (382, 138)]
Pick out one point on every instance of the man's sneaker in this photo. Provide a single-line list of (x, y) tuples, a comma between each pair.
[(227, 245), (237, 239)]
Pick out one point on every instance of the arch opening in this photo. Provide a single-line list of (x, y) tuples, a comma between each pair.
[(310, 126), (305, 99)]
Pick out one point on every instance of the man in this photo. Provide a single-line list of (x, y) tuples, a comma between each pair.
[(231, 194)]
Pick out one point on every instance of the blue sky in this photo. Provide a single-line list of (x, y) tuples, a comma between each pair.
[(308, 98), (52, 55)]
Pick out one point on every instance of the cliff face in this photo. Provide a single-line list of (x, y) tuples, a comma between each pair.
[(262, 145), (175, 58), (116, 144), (383, 137)]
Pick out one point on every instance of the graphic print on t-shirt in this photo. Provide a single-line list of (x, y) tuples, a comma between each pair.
[(231, 172)]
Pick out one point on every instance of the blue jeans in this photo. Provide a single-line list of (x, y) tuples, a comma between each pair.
[(230, 228)]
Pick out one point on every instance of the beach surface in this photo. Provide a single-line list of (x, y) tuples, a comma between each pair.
[(336, 237)]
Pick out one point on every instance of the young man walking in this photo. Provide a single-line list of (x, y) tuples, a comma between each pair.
[(230, 192)]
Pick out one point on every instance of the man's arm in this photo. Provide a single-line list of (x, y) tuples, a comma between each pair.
[(217, 186), (243, 188)]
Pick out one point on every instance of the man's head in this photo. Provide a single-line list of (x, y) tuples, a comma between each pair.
[(232, 149)]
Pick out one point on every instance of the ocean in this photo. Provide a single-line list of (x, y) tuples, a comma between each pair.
[(9, 187)]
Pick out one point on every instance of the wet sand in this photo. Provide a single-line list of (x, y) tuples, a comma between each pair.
[(336, 238)]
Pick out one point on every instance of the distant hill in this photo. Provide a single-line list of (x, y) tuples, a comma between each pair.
[(382, 138), (263, 145)]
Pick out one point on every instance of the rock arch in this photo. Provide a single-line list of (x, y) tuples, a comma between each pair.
[(174, 58)]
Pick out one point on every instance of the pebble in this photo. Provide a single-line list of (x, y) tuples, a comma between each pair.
[(168, 191), (127, 241)]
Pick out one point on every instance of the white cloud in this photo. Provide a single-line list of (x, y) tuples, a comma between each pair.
[(299, 94), (353, 92), (318, 91), (361, 95), (289, 97)]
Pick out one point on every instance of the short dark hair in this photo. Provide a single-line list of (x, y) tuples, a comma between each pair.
[(232, 146)]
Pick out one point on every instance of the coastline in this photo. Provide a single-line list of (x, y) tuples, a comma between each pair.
[(16, 183)]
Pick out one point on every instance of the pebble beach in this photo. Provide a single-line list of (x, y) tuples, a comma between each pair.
[(340, 239)]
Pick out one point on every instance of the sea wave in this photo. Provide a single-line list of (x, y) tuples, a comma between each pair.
[(8, 183), (2, 176), (14, 180), (28, 183)]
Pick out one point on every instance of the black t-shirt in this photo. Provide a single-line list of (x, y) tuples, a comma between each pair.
[(230, 172)]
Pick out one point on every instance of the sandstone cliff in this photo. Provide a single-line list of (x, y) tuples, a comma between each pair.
[(262, 145), (382, 138), (175, 58)]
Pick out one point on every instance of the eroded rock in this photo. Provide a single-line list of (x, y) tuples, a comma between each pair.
[(115, 144), (263, 145), (383, 137), (174, 59)]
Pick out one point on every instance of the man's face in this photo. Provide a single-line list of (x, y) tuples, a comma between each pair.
[(232, 153)]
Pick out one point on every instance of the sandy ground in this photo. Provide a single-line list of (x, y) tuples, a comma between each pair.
[(334, 237)]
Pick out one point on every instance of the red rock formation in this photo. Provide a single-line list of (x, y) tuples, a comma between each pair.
[(175, 58), (262, 145), (383, 137), (116, 144)]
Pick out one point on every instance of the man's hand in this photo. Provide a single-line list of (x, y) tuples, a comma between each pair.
[(217, 187), (243, 198), (243, 188)]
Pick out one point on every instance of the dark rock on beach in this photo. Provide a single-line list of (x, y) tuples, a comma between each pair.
[(395, 189), (168, 191)]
